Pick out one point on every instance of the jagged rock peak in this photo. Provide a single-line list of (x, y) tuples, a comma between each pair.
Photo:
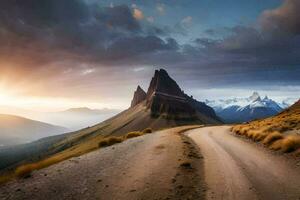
[(163, 83), (266, 98), (138, 97), (255, 97)]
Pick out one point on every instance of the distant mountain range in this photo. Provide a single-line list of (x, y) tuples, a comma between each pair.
[(18, 130), (237, 110), (288, 102), (73, 118), (78, 118), (88, 111)]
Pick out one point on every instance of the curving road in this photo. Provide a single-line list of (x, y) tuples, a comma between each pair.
[(167, 165), (237, 169), (146, 167)]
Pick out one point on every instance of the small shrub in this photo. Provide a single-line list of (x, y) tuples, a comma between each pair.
[(114, 140), (147, 130), (237, 132), (244, 131), (277, 145), (25, 171), (103, 143), (110, 141), (251, 134), (133, 134), (236, 129), (260, 136), (272, 137), (290, 143), (257, 135)]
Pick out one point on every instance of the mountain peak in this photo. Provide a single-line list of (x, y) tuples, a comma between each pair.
[(138, 97), (255, 97), (162, 83), (165, 98)]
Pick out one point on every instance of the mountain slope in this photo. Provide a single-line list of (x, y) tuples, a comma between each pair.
[(162, 108), (165, 106), (280, 132), (73, 118), (118, 172), (18, 130), (239, 110)]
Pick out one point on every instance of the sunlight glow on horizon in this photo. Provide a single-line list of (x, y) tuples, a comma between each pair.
[(46, 104)]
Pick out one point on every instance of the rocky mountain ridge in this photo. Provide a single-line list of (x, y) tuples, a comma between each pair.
[(164, 97), (139, 96)]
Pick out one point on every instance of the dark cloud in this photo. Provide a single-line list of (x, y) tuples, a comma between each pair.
[(133, 46), (283, 19), (274, 41), (35, 33), (49, 30)]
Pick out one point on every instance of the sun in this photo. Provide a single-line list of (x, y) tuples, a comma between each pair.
[(6, 98)]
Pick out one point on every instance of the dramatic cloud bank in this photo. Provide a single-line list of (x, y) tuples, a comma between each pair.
[(50, 39), (57, 29)]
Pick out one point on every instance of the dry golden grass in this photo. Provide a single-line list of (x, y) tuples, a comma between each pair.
[(272, 137), (26, 170), (103, 143), (147, 130), (291, 143), (277, 145), (114, 140), (133, 134), (86, 146), (275, 132), (110, 141)]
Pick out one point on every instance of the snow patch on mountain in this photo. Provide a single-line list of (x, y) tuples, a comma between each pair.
[(245, 109)]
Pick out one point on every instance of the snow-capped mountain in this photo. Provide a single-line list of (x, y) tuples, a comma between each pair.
[(288, 102), (245, 109)]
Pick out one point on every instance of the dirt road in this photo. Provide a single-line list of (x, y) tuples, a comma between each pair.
[(237, 169), (154, 166), (167, 165)]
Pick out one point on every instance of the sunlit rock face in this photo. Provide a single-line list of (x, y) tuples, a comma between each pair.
[(138, 97)]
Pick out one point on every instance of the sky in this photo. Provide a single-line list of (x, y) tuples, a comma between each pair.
[(57, 54)]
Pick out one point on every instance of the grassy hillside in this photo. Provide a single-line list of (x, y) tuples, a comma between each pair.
[(77, 143), (24, 169), (12, 156), (134, 119), (281, 132)]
